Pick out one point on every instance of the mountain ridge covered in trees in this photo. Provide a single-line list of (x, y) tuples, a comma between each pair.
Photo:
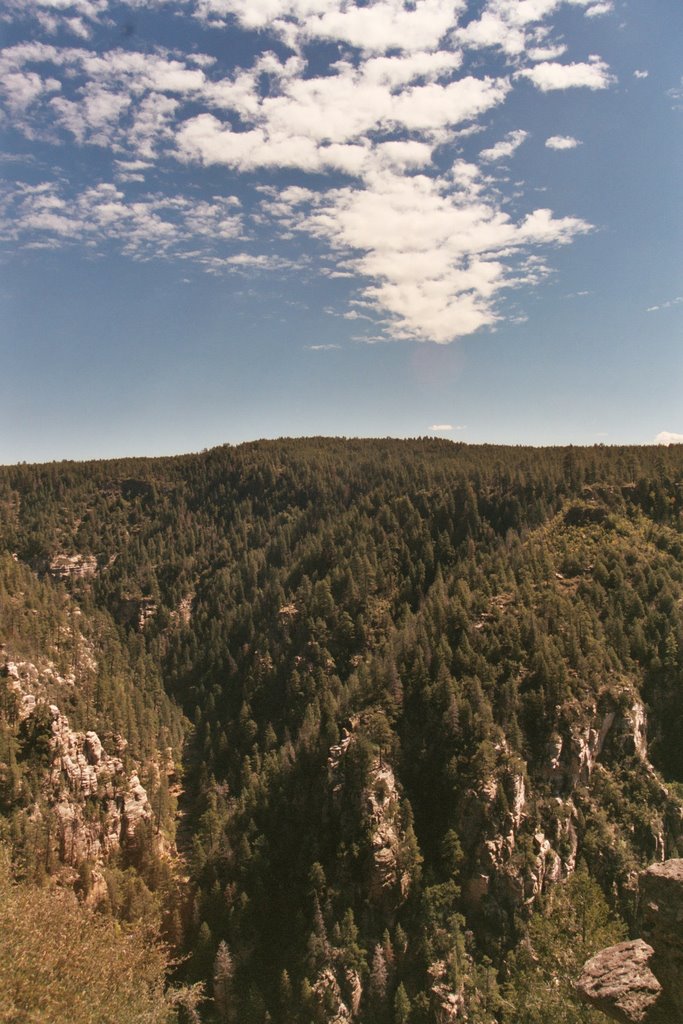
[(424, 703)]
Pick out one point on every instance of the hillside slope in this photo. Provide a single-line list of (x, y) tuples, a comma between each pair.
[(426, 682)]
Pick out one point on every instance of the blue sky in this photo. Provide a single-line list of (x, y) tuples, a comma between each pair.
[(231, 219)]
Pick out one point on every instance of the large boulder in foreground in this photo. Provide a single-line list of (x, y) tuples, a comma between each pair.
[(641, 981), (620, 982)]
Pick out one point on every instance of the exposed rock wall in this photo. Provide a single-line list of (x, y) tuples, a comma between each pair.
[(518, 845), (64, 567), (661, 917), (97, 804), (388, 883)]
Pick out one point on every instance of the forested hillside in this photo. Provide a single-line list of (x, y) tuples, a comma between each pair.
[(407, 716)]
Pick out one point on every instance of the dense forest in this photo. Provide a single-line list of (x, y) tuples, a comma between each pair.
[(387, 728)]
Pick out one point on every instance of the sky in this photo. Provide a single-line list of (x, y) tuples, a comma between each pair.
[(223, 220)]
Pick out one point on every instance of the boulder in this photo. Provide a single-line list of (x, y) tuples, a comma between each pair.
[(620, 982), (641, 981)]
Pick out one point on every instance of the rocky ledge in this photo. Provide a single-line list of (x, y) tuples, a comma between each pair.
[(641, 981), (96, 802)]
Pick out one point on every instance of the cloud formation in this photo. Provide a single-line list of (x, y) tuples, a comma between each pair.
[(149, 227), (370, 136), (561, 142), (435, 253), (668, 437), (506, 147), (550, 75), (376, 28), (665, 305), (599, 9)]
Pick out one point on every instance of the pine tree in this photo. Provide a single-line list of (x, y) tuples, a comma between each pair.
[(401, 1006), (378, 982), (574, 923), (223, 984)]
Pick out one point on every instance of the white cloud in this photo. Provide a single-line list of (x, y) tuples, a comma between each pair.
[(386, 25), (153, 123), (597, 10), (322, 348), (548, 52), (676, 94), (668, 437), (514, 26), (322, 123), (377, 28), (562, 142), (144, 227), (117, 99), (73, 16), (401, 70), (432, 250), (210, 141), (640, 74), (549, 75), (666, 305), (435, 258), (251, 261), (95, 116), (442, 427), (78, 27), (506, 147), (131, 100), (22, 88)]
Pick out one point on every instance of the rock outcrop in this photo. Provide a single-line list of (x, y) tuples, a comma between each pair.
[(65, 567), (619, 981), (327, 995), (641, 981), (388, 885), (661, 917), (517, 848), (137, 611), (94, 802), (575, 749), (448, 1007), (388, 881)]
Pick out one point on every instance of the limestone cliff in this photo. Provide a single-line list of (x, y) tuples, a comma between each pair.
[(388, 882), (87, 802), (523, 824)]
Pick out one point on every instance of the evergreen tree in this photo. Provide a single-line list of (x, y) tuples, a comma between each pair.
[(223, 984)]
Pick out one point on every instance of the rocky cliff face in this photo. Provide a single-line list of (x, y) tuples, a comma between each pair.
[(342, 1001), (339, 987), (388, 882), (447, 1006), (661, 916), (522, 827), (79, 567), (641, 982), (85, 789)]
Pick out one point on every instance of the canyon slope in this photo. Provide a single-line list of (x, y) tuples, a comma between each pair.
[(376, 731)]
